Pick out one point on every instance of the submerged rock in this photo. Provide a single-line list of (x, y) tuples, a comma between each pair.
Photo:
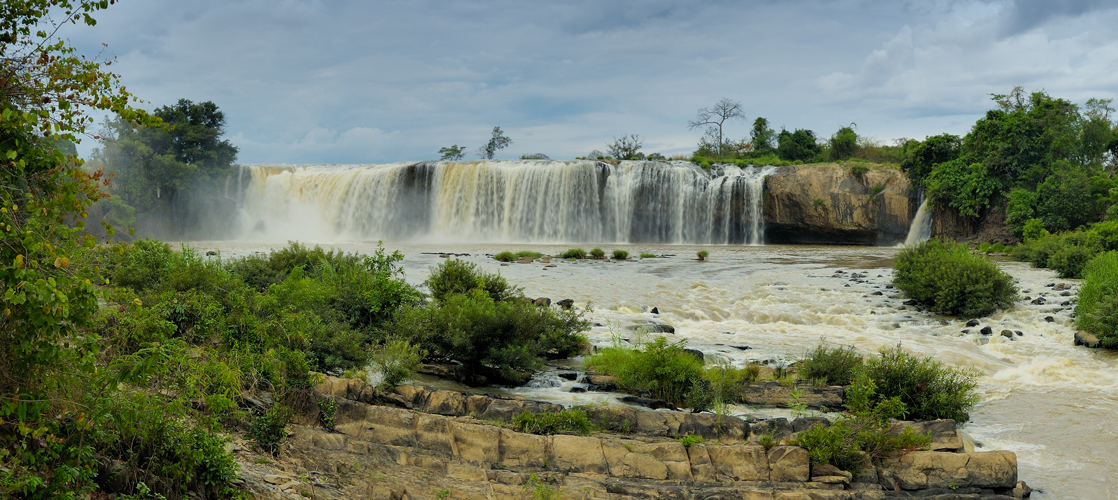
[(1087, 339)]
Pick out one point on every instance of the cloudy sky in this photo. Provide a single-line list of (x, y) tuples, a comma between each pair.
[(308, 81)]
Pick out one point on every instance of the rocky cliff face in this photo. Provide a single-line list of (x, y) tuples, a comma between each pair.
[(827, 204), (990, 228)]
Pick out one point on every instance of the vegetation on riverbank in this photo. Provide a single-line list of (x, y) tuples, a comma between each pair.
[(1096, 311), (948, 279)]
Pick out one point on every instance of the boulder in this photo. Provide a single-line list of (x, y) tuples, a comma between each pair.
[(788, 463), (653, 326), (448, 403), (1007, 334), (505, 409), (542, 302), (655, 404), (779, 428), (566, 303), (773, 394), (972, 323), (628, 461), (986, 330), (695, 352), (1087, 339), (578, 454), (920, 470), (943, 433), (804, 423), (740, 462)]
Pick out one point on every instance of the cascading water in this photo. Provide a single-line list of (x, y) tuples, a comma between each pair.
[(921, 228), (528, 201)]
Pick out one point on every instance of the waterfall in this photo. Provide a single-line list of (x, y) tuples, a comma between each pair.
[(510, 201), (921, 228)]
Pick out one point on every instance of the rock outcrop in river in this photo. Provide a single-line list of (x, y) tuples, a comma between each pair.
[(827, 204)]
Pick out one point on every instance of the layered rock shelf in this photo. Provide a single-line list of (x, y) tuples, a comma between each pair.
[(446, 444)]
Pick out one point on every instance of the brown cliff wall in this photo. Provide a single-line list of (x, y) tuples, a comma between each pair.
[(826, 204)]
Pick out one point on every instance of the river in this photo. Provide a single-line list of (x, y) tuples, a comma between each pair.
[(1050, 402)]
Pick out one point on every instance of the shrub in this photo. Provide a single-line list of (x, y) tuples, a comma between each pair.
[(648, 255), (862, 435), (479, 331), (620, 255), (528, 253), (506, 257), (949, 279), (459, 277), (270, 429), (597, 253), (702, 254), (834, 366), (928, 388), (574, 253), (665, 369), (1096, 311), (1069, 260), (570, 421), (396, 361)]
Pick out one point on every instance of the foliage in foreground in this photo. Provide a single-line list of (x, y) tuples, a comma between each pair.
[(665, 369), (949, 279), (862, 434), (830, 365), (1096, 311), (1068, 253)]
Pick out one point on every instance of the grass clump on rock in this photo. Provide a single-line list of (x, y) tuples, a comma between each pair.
[(574, 253), (620, 255), (597, 253), (1096, 312), (648, 255), (569, 421), (506, 256), (950, 280), (702, 254), (529, 253)]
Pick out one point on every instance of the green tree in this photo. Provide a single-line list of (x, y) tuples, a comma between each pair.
[(452, 153), (799, 145), (496, 142), (844, 143), (714, 119), (921, 158), (762, 137)]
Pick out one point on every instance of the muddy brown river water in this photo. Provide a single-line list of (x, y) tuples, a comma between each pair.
[(1052, 403)]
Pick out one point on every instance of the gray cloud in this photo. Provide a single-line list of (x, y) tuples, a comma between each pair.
[(332, 81)]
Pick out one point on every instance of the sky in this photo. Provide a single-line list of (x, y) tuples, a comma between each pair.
[(307, 81)]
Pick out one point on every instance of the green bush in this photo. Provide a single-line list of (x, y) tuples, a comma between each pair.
[(859, 169), (861, 436), (479, 331), (396, 361), (1096, 310), (949, 279), (528, 253), (574, 253), (270, 429), (506, 257), (570, 421), (702, 254), (928, 388), (690, 439), (648, 255), (459, 277), (620, 255), (833, 366), (665, 369), (1070, 260), (597, 253)]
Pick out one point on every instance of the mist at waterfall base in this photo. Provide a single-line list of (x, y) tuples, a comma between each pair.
[(504, 201), (1042, 397)]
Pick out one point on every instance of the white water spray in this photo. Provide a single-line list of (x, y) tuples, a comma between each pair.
[(921, 228), (503, 201)]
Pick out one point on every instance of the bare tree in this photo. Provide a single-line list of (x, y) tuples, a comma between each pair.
[(716, 116), (625, 147), (498, 141)]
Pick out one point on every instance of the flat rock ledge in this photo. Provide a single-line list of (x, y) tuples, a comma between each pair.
[(434, 449)]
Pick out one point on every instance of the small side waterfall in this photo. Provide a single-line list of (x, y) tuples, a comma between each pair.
[(513, 201), (921, 228)]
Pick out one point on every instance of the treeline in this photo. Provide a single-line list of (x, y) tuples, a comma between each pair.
[(1045, 161)]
